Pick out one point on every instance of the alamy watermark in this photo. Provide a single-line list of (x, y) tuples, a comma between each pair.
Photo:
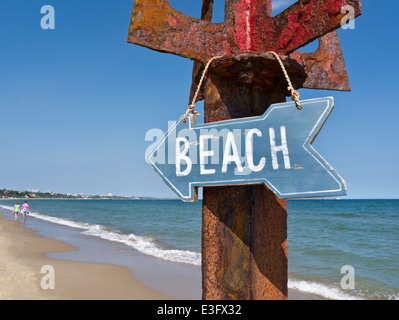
[(348, 280), (348, 21), (48, 280), (47, 21)]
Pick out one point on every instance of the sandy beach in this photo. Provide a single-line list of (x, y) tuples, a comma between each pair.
[(24, 252), (22, 257)]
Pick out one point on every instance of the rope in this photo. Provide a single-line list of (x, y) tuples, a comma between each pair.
[(192, 105), (294, 94)]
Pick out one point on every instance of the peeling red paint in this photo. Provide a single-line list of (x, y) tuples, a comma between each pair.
[(249, 17), (326, 66), (248, 26), (334, 7), (173, 23)]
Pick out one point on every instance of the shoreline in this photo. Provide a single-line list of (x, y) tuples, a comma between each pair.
[(24, 254), (89, 268)]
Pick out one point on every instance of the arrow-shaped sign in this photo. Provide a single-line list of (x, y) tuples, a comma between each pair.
[(274, 149)]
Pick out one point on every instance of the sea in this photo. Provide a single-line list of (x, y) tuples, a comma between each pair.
[(338, 249)]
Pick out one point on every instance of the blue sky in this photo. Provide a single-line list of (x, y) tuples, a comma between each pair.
[(77, 101)]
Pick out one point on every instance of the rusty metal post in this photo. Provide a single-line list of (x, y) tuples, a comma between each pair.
[(244, 228)]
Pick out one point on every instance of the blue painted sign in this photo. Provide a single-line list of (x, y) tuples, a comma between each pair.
[(274, 149)]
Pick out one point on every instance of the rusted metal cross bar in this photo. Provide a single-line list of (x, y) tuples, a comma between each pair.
[(244, 229)]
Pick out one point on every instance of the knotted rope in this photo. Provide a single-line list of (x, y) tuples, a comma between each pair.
[(294, 93), (191, 107)]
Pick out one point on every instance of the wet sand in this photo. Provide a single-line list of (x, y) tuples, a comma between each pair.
[(81, 274), (23, 255)]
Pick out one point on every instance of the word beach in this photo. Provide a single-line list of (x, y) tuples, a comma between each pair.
[(274, 149)]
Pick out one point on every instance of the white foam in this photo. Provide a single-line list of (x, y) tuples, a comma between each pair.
[(146, 245), (143, 244), (7, 207), (323, 290)]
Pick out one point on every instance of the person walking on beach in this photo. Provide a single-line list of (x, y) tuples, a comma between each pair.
[(25, 209), (16, 211)]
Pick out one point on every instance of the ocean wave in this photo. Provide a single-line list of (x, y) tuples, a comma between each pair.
[(320, 289), (144, 244), (7, 207)]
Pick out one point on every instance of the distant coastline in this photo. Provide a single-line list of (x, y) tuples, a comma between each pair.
[(6, 194)]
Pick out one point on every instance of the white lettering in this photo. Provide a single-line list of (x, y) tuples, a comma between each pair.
[(231, 157), (167, 310), (283, 148), (181, 156), (204, 154), (249, 151)]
